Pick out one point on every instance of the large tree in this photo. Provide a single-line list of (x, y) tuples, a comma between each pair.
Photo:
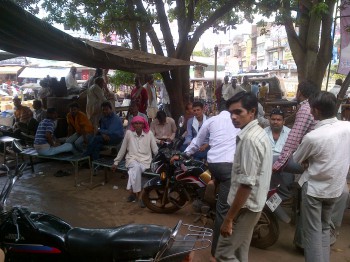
[(134, 20), (308, 25)]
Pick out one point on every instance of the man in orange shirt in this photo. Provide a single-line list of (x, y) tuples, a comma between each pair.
[(80, 128)]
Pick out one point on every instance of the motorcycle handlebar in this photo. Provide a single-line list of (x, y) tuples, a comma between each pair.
[(24, 214)]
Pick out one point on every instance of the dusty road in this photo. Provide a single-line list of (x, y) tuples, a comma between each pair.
[(107, 207)]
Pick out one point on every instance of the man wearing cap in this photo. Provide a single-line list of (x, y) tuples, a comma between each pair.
[(138, 145)]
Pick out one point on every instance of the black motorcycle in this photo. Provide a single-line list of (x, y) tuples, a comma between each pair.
[(38, 236), (186, 181)]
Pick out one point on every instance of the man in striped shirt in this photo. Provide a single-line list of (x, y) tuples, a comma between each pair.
[(250, 179)]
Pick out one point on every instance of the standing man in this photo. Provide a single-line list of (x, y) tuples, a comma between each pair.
[(222, 141), (111, 132), (322, 153), (303, 124), (138, 146), (139, 94), (71, 81), (246, 85), (95, 98), (152, 98), (250, 180), (229, 91), (221, 102)]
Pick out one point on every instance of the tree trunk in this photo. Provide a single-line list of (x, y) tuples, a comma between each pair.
[(177, 84)]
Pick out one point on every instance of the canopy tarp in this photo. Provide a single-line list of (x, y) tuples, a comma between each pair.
[(6, 55), (9, 70), (24, 34)]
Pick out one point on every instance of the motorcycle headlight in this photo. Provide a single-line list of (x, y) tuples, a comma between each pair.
[(154, 166)]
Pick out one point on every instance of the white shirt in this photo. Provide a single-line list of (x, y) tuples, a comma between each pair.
[(95, 97), (252, 166), (71, 82), (225, 91), (327, 149), (222, 138), (152, 98), (278, 145), (138, 148)]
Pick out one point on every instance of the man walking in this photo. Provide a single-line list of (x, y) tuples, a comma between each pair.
[(222, 141), (322, 152), (250, 180)]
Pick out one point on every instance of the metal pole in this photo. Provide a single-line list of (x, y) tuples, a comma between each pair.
[(215, 66), (330, 62)]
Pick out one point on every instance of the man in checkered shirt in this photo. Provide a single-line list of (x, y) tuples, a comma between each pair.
[(304, 123)]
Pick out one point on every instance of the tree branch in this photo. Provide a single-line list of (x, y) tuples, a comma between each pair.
[(228, 6), (133, 26), (149, 28), (165, 28), (181, 18), (325, 53)]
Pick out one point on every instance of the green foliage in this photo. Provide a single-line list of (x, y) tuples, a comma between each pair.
[(320, 9), (122, 78)]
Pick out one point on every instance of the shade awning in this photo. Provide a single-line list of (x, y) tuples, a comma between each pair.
[(9, 70), (24, 34), (6, 55), (42, 72)]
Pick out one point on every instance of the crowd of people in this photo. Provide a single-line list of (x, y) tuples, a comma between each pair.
[(244, 154)]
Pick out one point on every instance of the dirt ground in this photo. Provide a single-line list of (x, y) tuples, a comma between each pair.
[(106, 206)]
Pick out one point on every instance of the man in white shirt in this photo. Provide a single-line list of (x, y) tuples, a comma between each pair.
[(71, 82), (152, 98), (222, 141), (229, 90), (95, 97), (138, 145), (250, 180), (322, 153)]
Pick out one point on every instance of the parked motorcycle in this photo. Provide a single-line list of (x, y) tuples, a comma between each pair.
[(186, 180), (38, 236)]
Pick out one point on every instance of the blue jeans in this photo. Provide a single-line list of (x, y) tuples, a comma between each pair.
[(222, 174), (96, 143), (47, 150), (78, 141)]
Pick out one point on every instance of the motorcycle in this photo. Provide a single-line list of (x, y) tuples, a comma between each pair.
[(186, 181), (38, 236)]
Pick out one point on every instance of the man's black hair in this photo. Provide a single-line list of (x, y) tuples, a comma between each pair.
[(37, 102), (277, 111), (248, 100), (325, 103), (197, 104), (106, 104), (307, 88), (161, 116), (74, 105), (51, 110)]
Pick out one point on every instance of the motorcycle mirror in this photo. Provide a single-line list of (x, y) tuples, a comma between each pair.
[(181, 121)]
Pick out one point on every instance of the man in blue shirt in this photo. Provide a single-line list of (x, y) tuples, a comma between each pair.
[(45, 142), (110, 132)]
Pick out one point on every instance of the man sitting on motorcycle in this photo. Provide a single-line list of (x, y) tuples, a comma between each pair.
[(138, 145), (163, 128)]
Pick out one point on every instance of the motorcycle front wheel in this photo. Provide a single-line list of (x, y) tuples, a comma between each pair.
[(266, 231), (161, 199)]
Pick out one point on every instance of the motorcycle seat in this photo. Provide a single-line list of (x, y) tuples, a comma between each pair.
[(126, 242)]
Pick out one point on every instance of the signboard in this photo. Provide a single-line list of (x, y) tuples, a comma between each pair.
[(344, 60)]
